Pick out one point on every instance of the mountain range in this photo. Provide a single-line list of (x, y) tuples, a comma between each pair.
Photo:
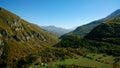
[(56, 31), (104, 38), (85, 29), (26, 45)]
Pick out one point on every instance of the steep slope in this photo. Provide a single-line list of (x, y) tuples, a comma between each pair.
[(18, 38), (108, 31), (85, 29), (55, 31), (104, 38)]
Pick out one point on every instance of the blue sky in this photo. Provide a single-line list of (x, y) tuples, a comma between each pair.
[(61, 13)]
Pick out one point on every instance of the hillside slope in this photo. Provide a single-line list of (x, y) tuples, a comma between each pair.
[(108, 31), (18, 38), (104, 38), (85, 29)]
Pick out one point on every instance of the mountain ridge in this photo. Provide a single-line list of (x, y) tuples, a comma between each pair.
[(106, 31), (104, 38), (19, 39), (85, 29), (55, 31)]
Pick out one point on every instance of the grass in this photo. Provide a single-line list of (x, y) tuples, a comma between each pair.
[(83, 61), (102, 58)]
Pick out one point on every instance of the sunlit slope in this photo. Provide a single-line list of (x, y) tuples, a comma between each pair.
[(18, 38)]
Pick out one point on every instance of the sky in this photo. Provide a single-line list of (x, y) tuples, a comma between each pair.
[(61, 13)]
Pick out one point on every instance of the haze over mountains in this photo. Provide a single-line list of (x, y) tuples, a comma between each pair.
[(56, 31)]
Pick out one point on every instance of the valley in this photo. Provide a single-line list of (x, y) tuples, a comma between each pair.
[(27, 45), (90, 60)]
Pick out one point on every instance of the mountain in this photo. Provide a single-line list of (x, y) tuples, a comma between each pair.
[(55, 31), (108, 31), (20, 39), (104, 38), (114, 14), (85, 29)]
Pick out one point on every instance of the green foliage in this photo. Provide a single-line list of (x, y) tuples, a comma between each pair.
[(52, 54), (25, 62), (84, 62), (102, 39), (108, 31), (89, 45), (24, 44), (85, 29), (69, 41)]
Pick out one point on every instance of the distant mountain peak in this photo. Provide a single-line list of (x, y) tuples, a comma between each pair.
[(56, 31), (51, 26)]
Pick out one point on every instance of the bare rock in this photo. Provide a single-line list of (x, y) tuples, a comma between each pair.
[(0, 8), (1, 47), (29, 34), (16, 38), (1, 50), (4, 32), (38, 35), (1, 42), (27, 38)]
